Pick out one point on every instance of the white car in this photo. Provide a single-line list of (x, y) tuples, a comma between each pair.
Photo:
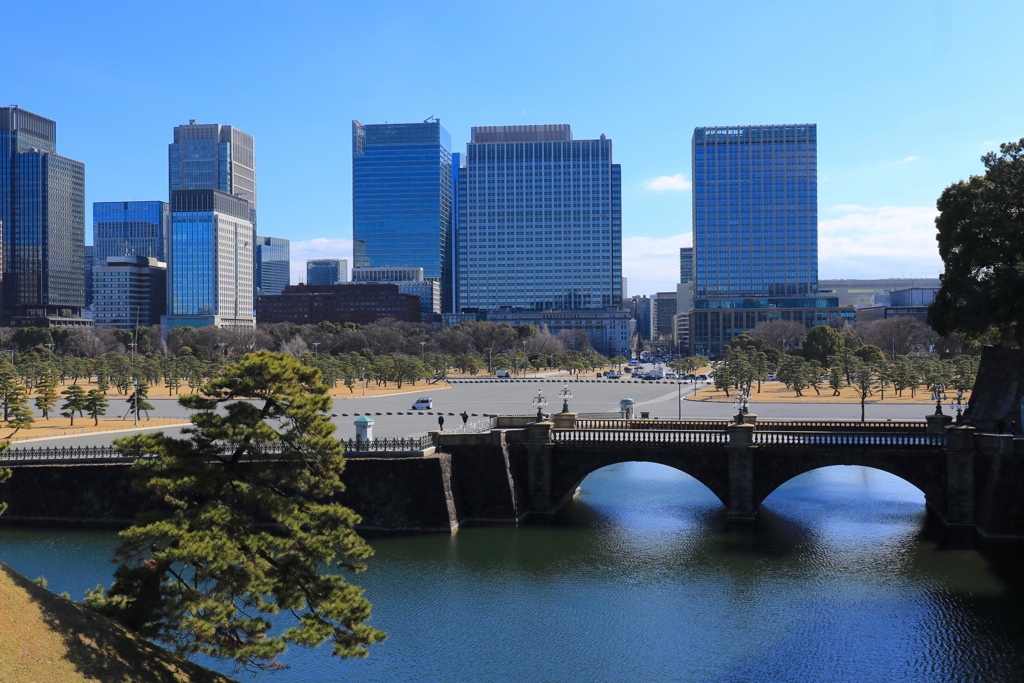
[(423, 404)]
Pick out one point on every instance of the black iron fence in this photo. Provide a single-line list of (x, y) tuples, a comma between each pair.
[(638, 436), (80, 454)]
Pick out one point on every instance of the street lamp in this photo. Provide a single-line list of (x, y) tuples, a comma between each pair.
[(316, 349), (539, 402), (938, 397), (959, 405), (565, 394), (422, 345), (742, 399), (526, 359)]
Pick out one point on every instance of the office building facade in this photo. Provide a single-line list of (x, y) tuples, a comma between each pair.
[(609, 331), (357, 303), (210, 261), (755, 231), (273, 264), (402, 198), (129, 291), (42, 209), (130, 229), (540, 221), (326, 271), (209, 156), (408, 281)]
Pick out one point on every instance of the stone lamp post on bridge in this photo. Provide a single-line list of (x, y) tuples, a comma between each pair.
[(539, 402), (565, 394)]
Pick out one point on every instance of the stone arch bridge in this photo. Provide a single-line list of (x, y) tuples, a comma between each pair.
[(521, 468)]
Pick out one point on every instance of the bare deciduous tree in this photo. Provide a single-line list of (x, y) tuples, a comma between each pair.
[(93, 342), (897, 336), (781, 335)]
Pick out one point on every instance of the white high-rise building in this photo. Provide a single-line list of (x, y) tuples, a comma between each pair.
[(540, 221)]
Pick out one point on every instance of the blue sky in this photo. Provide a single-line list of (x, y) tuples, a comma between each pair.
[(907, 96)]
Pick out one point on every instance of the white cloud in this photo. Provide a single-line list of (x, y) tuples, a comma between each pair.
[(669, 183), (904, 160), (874, 242), (320, 247), (651, 264)]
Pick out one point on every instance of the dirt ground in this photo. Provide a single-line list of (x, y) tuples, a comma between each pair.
[(776, 392)]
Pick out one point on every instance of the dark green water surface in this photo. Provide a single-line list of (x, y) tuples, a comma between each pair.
[(639, 580)]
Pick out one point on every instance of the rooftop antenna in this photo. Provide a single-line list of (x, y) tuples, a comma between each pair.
[(431, 118)]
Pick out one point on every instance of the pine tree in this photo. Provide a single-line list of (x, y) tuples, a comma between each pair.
[(19, 414), (198, 571), (46, 399), (74, 400), (142, 393), (96, 404)]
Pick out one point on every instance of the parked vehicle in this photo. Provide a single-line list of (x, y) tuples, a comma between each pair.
[(657, 373), (425, 403), (613, 375), (503, 374)]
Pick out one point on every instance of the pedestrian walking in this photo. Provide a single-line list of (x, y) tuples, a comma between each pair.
[(465, 417), (440, 422)]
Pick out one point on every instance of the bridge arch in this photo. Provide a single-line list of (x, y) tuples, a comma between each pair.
[(568, 470), (772, 470)]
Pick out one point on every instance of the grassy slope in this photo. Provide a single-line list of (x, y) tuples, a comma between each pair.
[(47, 639)]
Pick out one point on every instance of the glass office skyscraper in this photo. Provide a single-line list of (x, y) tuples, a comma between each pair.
[(42, 209), (540, 221), (755, 210), (209, 261), (402, 198), (209, 156), (326, 271), (273, 264), (129, 228), (755, 231)]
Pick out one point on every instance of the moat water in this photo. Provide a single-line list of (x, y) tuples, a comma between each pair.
[(639, 580)]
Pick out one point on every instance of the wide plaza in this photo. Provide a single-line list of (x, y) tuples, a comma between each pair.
[(393, 415)]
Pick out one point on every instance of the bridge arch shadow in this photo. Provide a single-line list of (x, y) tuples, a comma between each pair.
[(772, 470), (568, 473)]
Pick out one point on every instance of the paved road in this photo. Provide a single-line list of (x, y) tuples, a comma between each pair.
[(511, 397)]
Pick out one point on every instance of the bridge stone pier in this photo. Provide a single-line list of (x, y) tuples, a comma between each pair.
[(971, 480)]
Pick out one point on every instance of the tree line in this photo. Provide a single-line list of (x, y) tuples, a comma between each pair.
[(827, 359)]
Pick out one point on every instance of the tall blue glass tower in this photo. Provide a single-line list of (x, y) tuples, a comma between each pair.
[(402, 198), (129, 229), (209, 261), (755, 231), (42, 209), (755, 210)]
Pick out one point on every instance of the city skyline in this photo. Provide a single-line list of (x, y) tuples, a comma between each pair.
[(902, 108)]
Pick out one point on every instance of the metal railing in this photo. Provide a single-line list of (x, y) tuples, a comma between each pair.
[(808, 439), (639, 436), (110, 454), (62, 453), (672, 425), (474, 427), (831, 426), (396, 445)]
